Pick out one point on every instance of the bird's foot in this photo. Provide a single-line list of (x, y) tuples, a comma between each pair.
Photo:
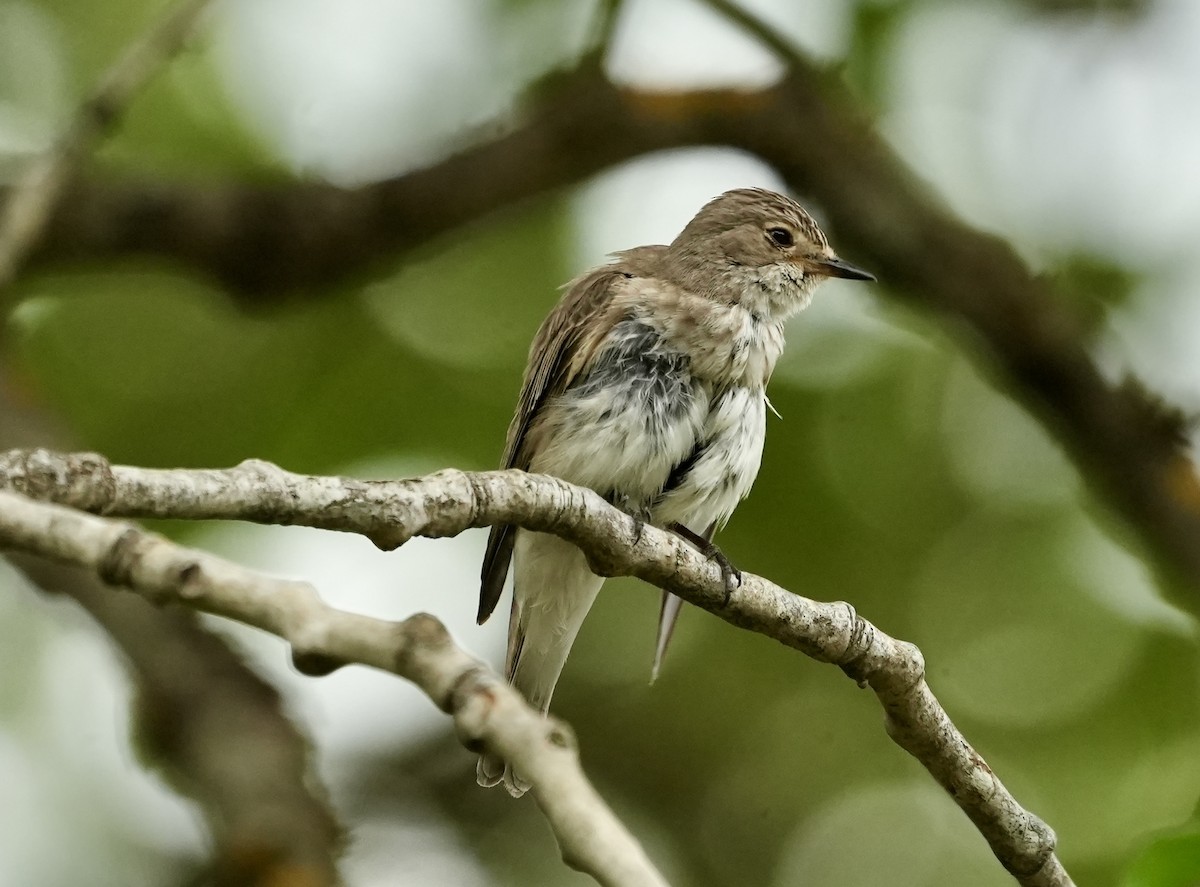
[(640, 514), (731, 576)]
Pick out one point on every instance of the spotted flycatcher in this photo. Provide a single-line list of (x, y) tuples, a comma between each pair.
[(647, 384)]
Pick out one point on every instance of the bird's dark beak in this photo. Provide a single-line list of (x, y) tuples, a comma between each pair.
[(838, 268)]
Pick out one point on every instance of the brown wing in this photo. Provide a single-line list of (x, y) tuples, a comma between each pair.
[(564, 344)]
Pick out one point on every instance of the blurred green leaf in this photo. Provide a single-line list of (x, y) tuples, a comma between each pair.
[(183, 125), (1170, 861), (96, 33), (475, 300), (866, 63)]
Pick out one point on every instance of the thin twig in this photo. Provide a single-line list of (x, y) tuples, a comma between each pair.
[(444, 504), (608, 13), (756, 28), (488, 714), (35, 197)]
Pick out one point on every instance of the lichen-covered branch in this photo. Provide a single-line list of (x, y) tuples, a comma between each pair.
[(487, 713), (446, 503)]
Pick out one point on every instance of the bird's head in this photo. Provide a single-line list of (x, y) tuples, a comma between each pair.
[(758, 249)]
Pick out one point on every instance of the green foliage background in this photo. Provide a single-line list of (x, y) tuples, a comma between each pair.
[(900, 479)]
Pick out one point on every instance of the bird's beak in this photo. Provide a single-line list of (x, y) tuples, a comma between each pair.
[(838, 268)]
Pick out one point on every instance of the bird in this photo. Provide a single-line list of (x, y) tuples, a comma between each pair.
[(647, 384)]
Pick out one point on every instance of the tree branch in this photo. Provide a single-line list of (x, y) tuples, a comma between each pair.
[(196, 707), (34, 198), (445, 504), (261, 240), (487, 712)]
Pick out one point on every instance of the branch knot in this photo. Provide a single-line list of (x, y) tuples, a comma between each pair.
[(82, 480), (119, 561), (858, 647)]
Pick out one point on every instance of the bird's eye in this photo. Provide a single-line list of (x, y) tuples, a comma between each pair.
[(780, 236)]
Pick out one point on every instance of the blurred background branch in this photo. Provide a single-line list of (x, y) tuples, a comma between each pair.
[(213, 729), (32, 201), (488, 714), (217, 733)]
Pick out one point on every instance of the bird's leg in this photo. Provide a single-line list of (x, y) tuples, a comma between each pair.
[(638, 512), (731, 575)]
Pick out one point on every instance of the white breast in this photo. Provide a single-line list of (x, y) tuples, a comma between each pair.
[(643, 422), (629, 421), (724, 471)]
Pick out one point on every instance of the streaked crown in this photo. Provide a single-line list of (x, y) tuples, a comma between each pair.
[(755, 207)]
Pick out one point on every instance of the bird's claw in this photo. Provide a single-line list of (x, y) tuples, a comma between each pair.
[(731, 576), (637, 513), (639, 526)]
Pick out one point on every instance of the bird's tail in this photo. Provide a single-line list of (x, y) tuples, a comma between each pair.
[(667, 615), (553, 589)]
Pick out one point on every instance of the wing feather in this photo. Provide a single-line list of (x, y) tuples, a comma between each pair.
[(564, 345)]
